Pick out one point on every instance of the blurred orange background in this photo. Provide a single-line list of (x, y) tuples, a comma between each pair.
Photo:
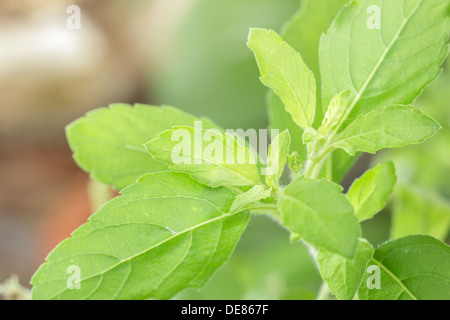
[(49, 76)]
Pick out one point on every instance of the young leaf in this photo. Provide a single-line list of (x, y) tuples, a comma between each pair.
[(302, 32), (277, 157), (335, 112), (311, 135), (109, 142), (209, 156), (244, 200), (386, 127), (295, 163), (320, 214), (165, 233), (368, 194), (410, 268), (386, 52), (282, 120), (419, 212), (344, 276), (283, 70)]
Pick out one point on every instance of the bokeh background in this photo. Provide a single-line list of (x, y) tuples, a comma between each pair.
[(191, 54)]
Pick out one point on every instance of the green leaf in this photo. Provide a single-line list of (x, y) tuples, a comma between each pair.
[(277, 157), (209, 156), (303, 32), (282, 120), (386, 127), (109, 142), (320, 214), (99, 194), (342, 275), (165, 233), (368, 194), (384, 64), (335, 112), (295, 163), (283, 70), (311, 135), (419, 212), (245, 200), (410, 268)]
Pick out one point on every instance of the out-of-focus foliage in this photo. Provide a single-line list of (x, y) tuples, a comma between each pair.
[(424, 170), (428, 164), (210, 71), (417, 211)]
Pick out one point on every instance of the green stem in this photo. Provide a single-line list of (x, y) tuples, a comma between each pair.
[(316, 158), (269, 209), (317, 155), (99, 194), (324, 292)]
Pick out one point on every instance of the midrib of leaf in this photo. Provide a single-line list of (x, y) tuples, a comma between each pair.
[(289, 84), (380, 131), (147, 250), (364, 197), (117, 145), (377, 66), (393, 276)]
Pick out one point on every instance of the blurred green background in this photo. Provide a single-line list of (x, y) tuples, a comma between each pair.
[(191, 54)]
